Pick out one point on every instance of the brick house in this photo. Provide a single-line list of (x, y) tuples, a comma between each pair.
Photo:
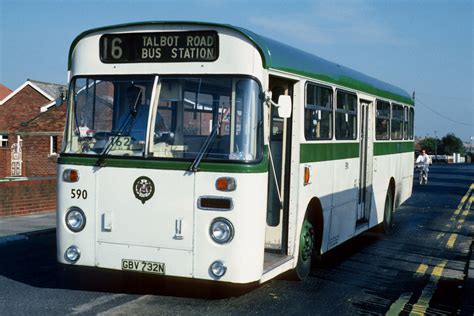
[(4, 92), (29, 114), (32, 121)]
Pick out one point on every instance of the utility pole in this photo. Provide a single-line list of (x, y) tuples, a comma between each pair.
[(436, 146)]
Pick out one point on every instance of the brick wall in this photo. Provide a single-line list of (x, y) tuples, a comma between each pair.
[(5, 154), (28, 196), (37, 160)]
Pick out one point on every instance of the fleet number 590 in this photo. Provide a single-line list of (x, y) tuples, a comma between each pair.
[(78, 194)]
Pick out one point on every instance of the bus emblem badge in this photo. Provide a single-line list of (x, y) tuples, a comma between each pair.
[(143, 188)]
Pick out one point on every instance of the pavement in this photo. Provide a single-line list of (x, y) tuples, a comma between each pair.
[(15, 228)]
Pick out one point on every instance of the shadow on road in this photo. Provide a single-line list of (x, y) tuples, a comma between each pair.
[(33, 262)]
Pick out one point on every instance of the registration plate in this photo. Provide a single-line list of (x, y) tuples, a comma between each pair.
[(143, 266)]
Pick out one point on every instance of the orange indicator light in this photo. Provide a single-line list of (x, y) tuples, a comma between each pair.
[(307, 175), (71, 175), (226, 184)]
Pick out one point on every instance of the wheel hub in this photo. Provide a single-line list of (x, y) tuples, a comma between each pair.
[(307, 240)]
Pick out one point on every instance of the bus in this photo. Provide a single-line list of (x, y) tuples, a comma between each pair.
[(207, 151)]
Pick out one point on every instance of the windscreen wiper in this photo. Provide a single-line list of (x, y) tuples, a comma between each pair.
[(209, 140), (127, 122)]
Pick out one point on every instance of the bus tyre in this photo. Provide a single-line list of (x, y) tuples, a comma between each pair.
[(305, 254), (388, 222)]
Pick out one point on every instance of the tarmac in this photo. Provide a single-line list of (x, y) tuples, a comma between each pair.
[(24, 227)]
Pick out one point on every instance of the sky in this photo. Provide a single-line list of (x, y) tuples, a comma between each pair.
[(421, 46)]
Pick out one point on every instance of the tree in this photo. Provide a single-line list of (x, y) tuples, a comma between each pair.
[(429, 144), (452, 144)]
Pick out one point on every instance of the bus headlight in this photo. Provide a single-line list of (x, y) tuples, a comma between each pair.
[(221, 230), (72, 254), (75, 219), (218, 269)]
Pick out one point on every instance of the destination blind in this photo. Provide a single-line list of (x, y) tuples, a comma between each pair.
[(193, 46)]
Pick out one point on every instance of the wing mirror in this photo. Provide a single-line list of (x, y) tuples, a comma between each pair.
[(284, 106)]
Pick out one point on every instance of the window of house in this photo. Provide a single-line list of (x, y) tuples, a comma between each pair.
[(3, 140), (318, 112), (397, 121), (53, 145), (382, 121), (346, 115)]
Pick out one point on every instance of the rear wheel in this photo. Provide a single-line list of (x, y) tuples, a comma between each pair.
[(388, 222), (303, 267)]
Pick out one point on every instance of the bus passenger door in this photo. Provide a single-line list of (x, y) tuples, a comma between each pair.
[(366, 158), (278, 171)]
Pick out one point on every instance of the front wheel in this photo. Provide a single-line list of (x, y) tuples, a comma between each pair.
[(303, 267)]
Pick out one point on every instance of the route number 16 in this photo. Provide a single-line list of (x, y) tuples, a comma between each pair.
[(116, 50)]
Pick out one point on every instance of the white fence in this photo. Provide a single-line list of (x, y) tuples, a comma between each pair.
[(455, 158)]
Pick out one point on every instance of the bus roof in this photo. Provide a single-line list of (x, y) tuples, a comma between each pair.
[(279, 56)]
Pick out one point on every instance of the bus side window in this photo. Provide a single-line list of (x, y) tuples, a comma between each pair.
[(397, 121), (346, 115), (382, 120), (411, 123), (405, 122), (318, 112)]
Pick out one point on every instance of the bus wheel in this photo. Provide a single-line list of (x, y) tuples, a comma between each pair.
[(303, 267), (388, 222)]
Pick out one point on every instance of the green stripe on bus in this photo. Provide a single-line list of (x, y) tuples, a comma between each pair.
[(169, 164), (331, 151), (388, 148)]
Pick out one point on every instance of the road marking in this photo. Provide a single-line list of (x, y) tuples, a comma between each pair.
[(399, 304), (451, 241), (422, 269), (94, 303), (438, 270), (464, 199), (469, 204), (404, 298), (420, 307), (130, 308)]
